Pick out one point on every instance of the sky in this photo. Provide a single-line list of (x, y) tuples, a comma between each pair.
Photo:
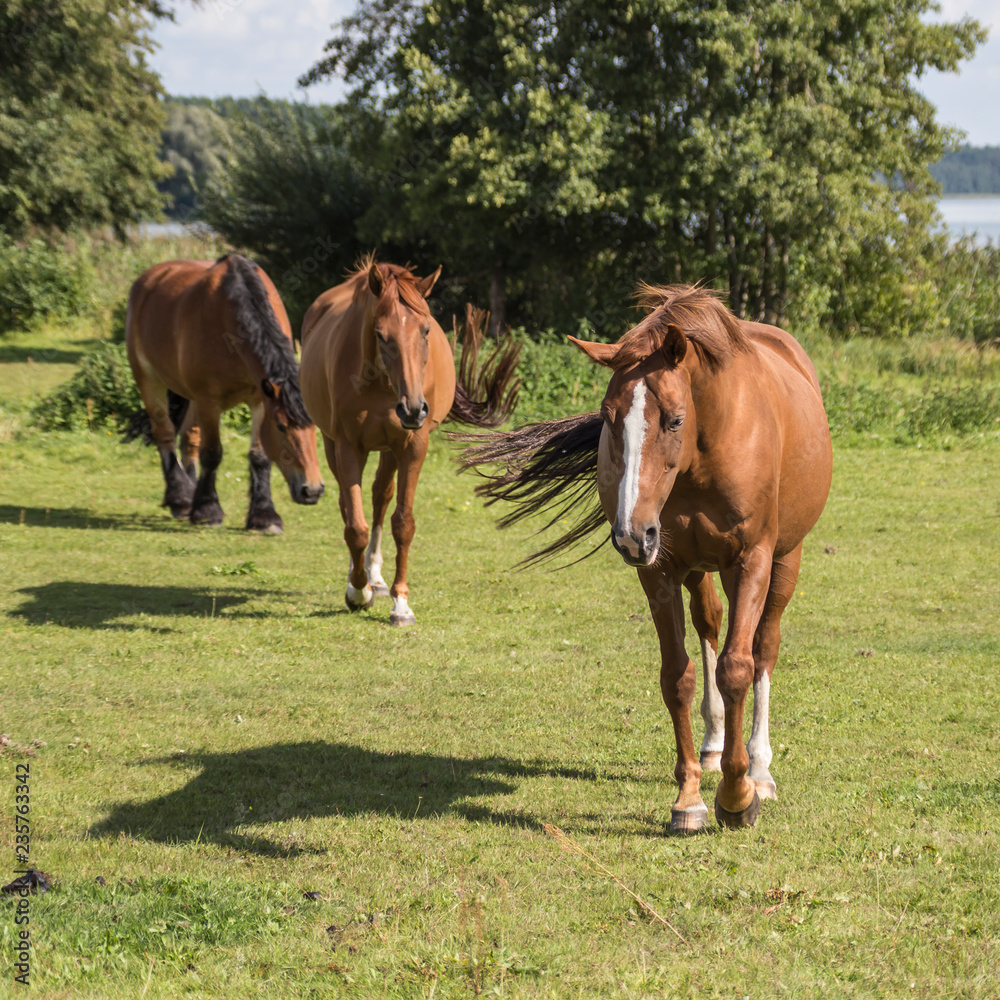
[(242, 48)]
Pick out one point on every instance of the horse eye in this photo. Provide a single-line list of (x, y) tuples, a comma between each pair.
[(675, 424), (425, 330), (282, 427)]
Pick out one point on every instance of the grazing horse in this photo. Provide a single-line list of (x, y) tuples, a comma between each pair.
[(204, 337), (378, 374), (711, 453)]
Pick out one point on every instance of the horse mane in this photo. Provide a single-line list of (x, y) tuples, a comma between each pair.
[(715, 332), (259, 326), (399, 283)]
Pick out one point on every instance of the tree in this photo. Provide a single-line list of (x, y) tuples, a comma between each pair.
[(291, 193), (79, 114), (194, 144), (778, 149)]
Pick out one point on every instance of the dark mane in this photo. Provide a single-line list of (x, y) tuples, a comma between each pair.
[(257, 322), (399, 284), (715, 332)]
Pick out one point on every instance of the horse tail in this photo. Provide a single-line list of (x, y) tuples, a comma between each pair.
[(140, 426), (485, 394), (548, 468)]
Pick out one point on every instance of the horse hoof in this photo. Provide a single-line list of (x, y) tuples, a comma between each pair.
[(405, 619), (366, 602), (711, 760), (380, 589), (766, 788), (181, 513), (273, 529), (208, 521), (690, 820), (736, 820)]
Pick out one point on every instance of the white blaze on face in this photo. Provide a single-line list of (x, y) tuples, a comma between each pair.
[(635, 435)]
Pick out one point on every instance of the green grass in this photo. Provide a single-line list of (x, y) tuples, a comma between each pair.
[(211, 733)]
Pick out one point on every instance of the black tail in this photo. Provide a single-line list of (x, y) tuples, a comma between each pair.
[(485, 395), (139, 424), (549, 468)]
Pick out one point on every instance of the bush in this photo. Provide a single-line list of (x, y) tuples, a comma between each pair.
[(101, 393), (41, 282)]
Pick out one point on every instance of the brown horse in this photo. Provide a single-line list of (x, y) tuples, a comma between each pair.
[(378, 374), (204, 337), (711, 453)]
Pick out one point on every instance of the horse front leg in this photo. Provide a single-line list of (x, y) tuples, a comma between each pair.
[(737, 802), (706, 615), (347, 464), (382, 490), (410, 460), (261, 515), (678, 680), (205, 508)]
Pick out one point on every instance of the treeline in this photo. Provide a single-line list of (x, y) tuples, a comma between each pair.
[(550, 156), (554, 156), (969, 170)]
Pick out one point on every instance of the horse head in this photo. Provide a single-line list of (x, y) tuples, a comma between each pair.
[(648, 437), (402, 326), (289, 439)]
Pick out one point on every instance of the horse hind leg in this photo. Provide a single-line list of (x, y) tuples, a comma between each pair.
[(382, 491), (178, 491), (784, 575), (706, 615)]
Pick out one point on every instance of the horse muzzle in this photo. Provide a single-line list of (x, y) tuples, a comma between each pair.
[(304, 492), (412, 417), (638, 547)]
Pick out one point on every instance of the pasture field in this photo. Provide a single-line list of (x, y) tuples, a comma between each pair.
[(283, 799)]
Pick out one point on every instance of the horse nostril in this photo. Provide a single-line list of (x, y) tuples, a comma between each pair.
[(424, 409), (652, 538)]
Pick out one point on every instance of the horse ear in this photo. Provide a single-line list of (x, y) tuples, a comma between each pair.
[(376, 282), (603, 354), (269, 388), (426, 284), (674, 346)]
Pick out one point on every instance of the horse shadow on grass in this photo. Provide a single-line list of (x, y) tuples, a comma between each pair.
[(86, 519), (81, 604), (234, 792)]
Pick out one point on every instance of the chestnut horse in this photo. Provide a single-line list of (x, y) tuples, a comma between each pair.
[(378, 374), (711, 453), (203, 337)]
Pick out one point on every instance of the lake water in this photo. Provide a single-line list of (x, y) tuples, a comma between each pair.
[(972, 216)]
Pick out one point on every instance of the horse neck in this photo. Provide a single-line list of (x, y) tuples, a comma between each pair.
[(250, 358)]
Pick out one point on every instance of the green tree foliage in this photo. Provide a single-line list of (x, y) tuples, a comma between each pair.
[(969, 170), (79, 116), (779, 150), (194, 144), (292, 194)]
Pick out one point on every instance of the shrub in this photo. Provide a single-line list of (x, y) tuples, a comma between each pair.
[(40, 282), (101, 393)]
